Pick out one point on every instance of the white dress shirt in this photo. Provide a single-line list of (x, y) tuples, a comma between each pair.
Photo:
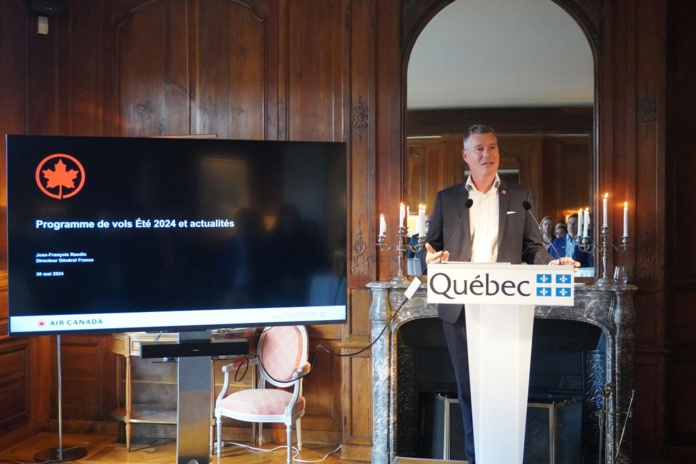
[(483, 222)]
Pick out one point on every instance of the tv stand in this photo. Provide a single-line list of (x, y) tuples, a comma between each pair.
[(193, 400)]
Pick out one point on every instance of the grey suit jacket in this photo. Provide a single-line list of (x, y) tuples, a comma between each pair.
[(519, 239)]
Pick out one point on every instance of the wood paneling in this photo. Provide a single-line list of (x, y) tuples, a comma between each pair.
[(313, 62), (234, 71), (14, 386), (542, 120), (566, 180), (12, 94), (152, 69)]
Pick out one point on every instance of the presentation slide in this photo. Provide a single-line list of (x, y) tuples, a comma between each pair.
[(143, 231)]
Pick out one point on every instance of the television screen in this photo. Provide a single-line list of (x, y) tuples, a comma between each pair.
[(119, 234)]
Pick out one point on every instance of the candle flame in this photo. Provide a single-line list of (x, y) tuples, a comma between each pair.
[(625, 204), (606, 195)]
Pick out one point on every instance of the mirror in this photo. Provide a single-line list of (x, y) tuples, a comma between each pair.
[(525, 68)]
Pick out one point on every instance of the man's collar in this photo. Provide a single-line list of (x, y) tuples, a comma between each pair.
[(471, 187)]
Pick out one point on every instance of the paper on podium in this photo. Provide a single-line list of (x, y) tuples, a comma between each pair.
[(500, 283)]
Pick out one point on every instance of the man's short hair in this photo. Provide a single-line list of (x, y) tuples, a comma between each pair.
[(477, 129)]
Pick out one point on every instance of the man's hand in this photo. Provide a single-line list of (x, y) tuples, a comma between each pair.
[(435, 256), (565, 261)]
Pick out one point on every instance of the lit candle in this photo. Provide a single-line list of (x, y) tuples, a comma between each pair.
[(402, 214), (421, 221), (581, 216), (625, 234), (382, 225), (604, 208), (586, 232)]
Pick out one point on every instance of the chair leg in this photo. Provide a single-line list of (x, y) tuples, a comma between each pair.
[(218, 432), (288, 437), (298, 428), (260, 433)]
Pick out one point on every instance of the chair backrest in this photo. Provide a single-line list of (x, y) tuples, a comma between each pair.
[(282, 351)]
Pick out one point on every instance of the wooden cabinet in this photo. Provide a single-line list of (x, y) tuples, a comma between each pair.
[(146, 390)]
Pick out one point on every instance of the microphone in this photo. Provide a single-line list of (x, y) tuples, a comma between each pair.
[(467, 205), (528, 206)]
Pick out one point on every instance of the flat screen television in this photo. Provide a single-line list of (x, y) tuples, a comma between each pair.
[(111, 234)]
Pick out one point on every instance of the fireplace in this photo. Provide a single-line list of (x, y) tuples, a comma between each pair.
[(599, 329)]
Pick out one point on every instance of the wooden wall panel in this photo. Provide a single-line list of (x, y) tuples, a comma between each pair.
[(84, 68), (323, 420), (567, 169), (88, 369), (357, 400), (14, 385), (313, 60), (648, 433), (360, 104), (234, 66), (24, 384), (632, 112), (12, 95), (153, 90), (432, 164)]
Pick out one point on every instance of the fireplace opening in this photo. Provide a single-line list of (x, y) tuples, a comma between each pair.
[(567, 380)]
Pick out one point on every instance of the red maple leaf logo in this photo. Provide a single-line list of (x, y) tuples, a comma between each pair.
[(60, 176)]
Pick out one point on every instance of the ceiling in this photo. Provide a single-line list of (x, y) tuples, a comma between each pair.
[(501, 53)]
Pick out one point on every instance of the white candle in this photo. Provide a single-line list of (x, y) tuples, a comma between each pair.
[(402, 214), (382, 225), (604, 208), (421, 221), (586, 232), (581, 216), (625, 232)]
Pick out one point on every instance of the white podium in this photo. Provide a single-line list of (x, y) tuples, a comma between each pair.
[(500, 300)]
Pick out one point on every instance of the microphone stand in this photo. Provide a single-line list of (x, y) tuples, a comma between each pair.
[(60, 454)]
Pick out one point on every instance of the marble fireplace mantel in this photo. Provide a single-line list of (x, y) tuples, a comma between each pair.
[(608, 307)]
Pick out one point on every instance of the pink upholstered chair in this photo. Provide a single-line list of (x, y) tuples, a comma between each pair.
[(282, 360)]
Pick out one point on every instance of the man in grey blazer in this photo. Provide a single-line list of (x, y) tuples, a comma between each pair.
[(481, 220)]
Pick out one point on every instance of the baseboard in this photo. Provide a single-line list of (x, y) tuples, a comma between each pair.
[(20, 434)]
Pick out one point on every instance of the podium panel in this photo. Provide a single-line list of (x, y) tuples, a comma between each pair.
[(499, 301), (500, 350)]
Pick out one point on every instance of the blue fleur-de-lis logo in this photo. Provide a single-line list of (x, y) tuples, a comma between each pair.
[(543, 278), (563, 292), (563, 279), (544, 291)]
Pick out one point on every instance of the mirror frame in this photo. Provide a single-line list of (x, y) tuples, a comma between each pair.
[(415, 16)]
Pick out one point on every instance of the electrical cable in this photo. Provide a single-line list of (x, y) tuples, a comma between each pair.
[(277, 448)]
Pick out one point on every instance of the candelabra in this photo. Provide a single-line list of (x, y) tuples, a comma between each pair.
[(586, 245), (402, 246)]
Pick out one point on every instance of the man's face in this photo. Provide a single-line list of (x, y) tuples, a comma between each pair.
[(573, 226), (482, 155)]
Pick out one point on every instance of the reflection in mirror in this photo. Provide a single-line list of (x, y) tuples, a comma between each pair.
[(524, 68)]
